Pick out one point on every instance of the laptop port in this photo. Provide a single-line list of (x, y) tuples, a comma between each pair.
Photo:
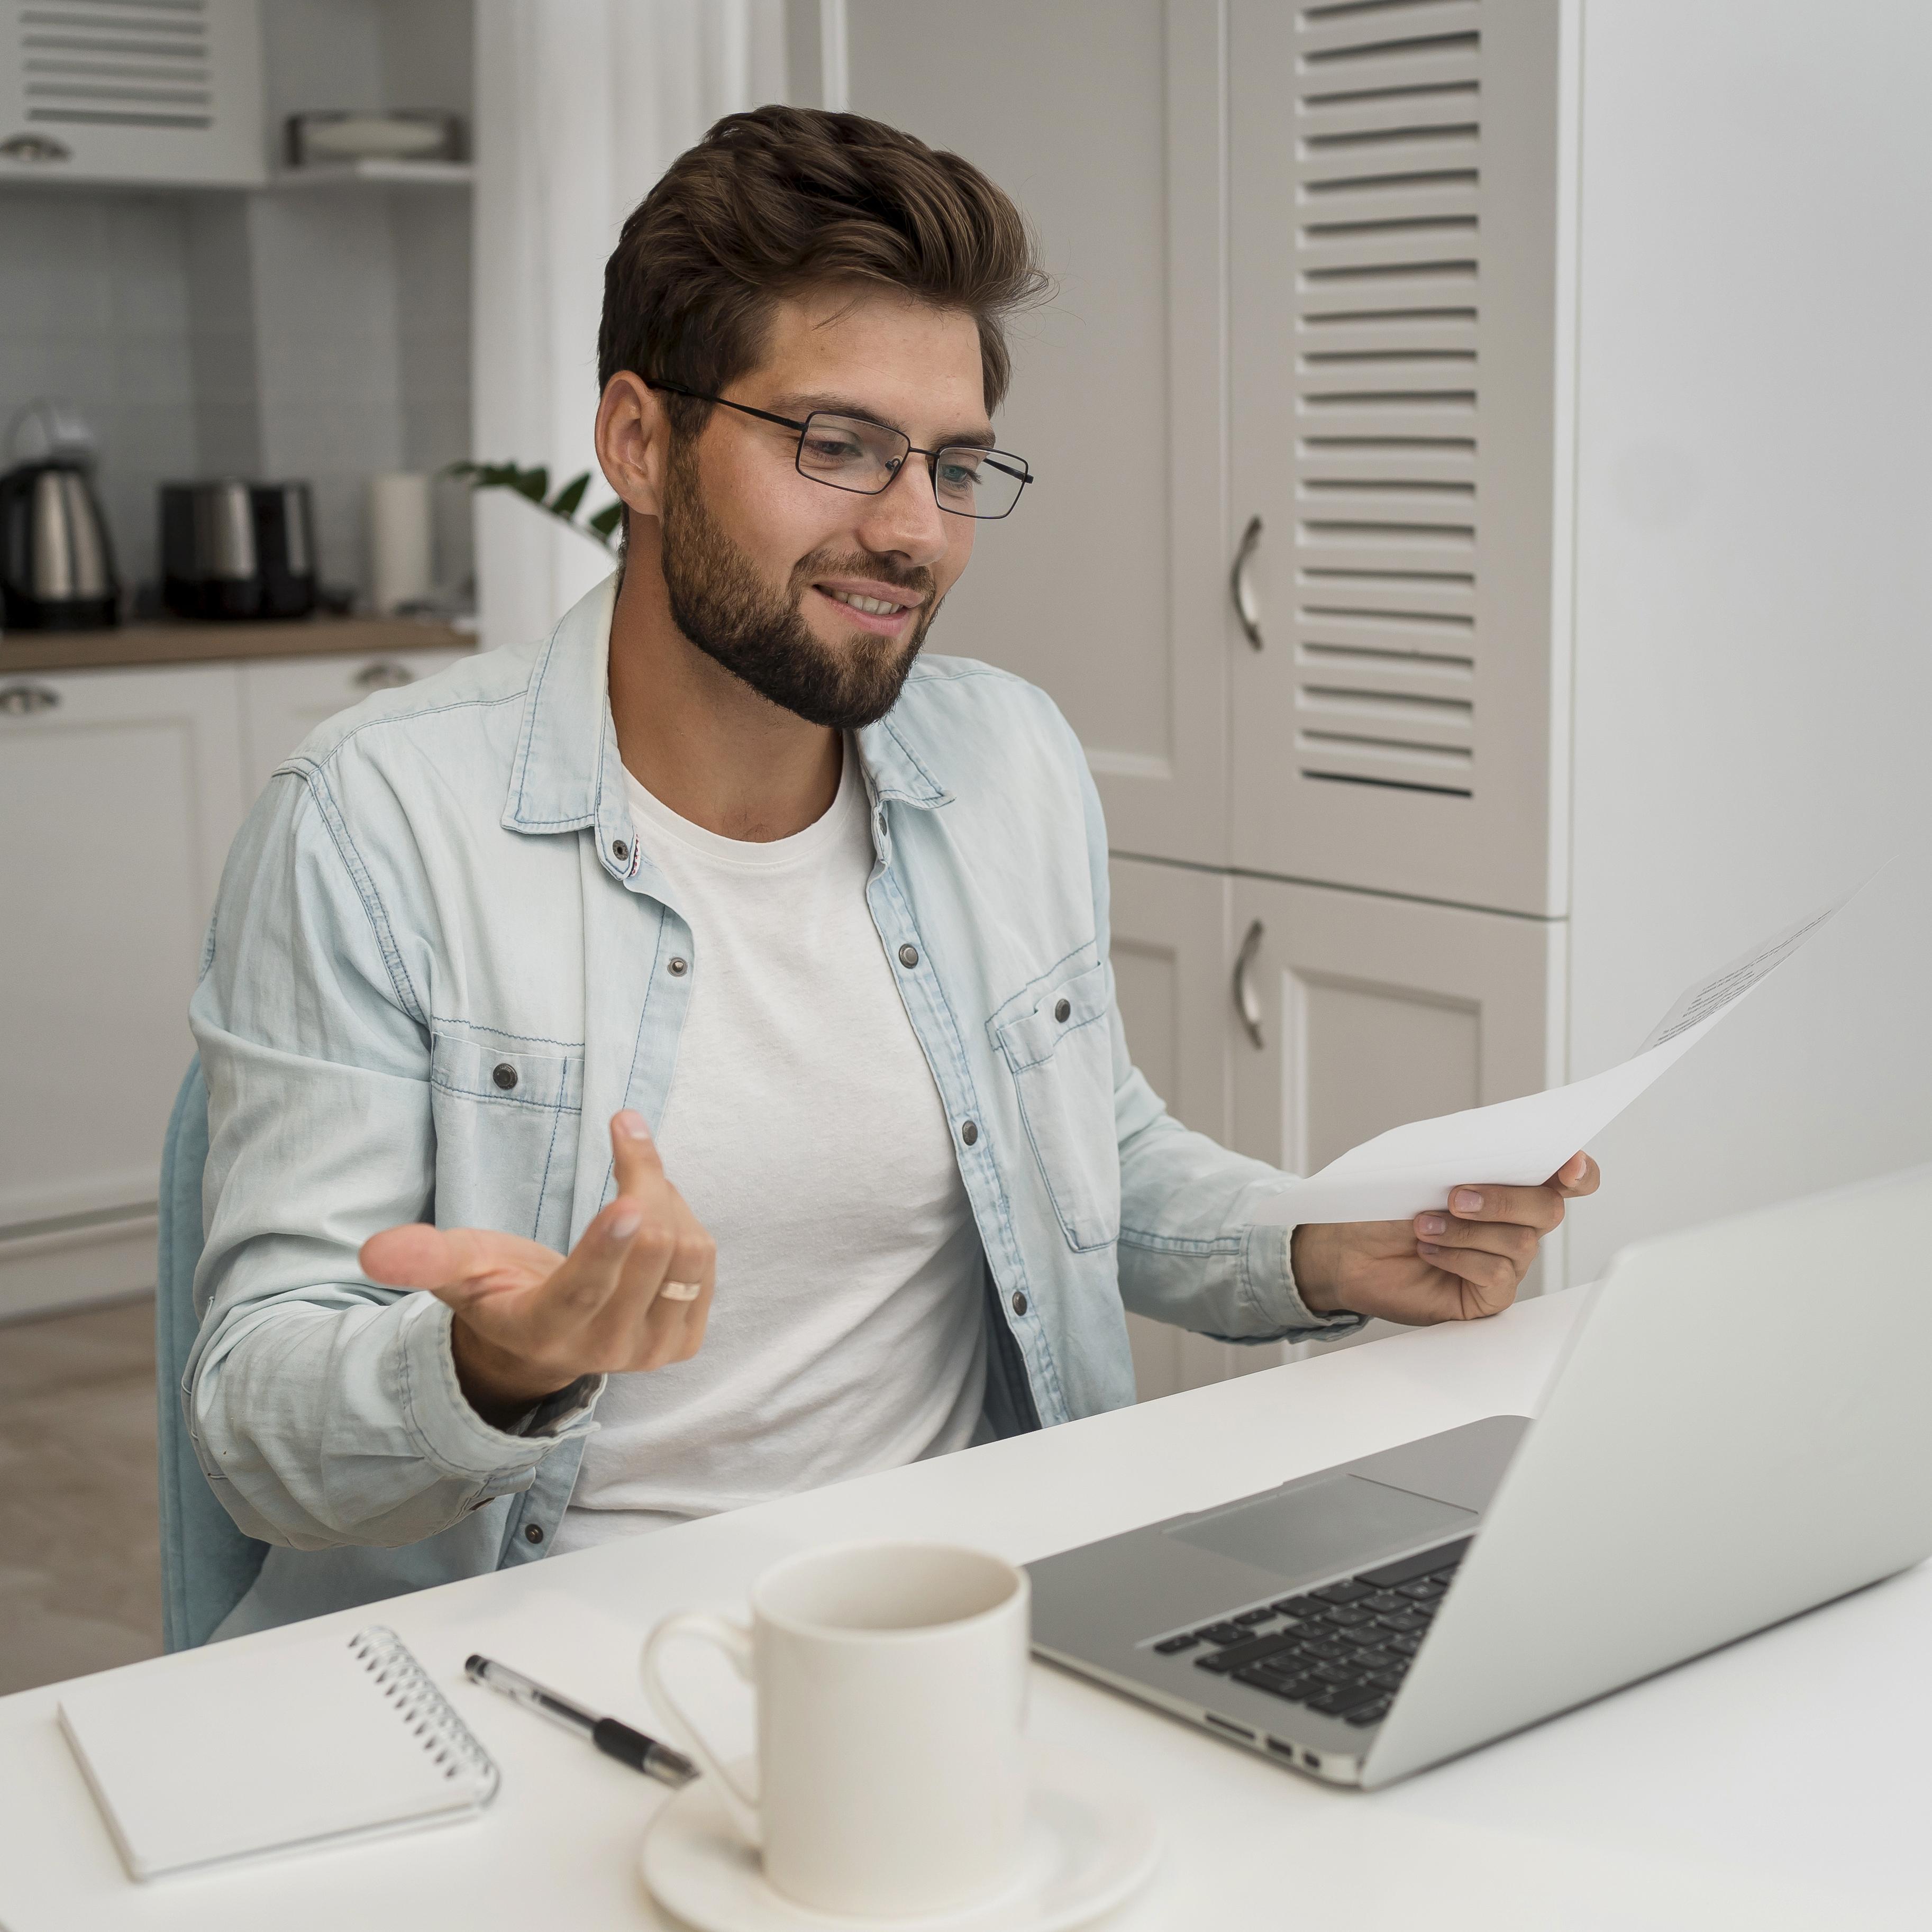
[(1281, 1750), (1238, 1730), (1312, 1760)]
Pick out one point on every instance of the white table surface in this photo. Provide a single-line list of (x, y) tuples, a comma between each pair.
[(1783, 1782)]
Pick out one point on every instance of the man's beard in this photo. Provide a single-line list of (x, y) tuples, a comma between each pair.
[(720, 604)]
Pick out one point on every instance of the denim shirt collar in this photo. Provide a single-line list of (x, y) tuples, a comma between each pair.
[(567, 774)]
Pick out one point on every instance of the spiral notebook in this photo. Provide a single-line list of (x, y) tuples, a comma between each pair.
[(229, 1755)]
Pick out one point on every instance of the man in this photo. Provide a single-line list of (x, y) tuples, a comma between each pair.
[(727, 984)]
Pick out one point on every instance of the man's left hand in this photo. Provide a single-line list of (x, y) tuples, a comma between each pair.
[(1450, 1265)]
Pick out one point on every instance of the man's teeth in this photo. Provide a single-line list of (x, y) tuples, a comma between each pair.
[(875, 606)]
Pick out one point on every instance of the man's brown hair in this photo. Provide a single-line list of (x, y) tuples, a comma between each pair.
[(780, 199)]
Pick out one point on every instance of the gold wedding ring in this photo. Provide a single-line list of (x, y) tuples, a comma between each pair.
[(682, 1290)]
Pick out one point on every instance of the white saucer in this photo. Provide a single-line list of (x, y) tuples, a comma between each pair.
[(1090, 1843)]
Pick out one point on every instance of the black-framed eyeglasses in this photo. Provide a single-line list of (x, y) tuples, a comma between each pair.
[(850, 453)]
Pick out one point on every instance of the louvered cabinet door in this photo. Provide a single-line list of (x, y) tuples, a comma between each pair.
[(1394, 257), (163, 92)]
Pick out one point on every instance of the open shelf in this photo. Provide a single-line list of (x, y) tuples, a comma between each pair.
[(383, 173)]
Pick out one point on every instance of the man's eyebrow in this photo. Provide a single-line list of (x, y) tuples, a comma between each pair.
[(793, 405)]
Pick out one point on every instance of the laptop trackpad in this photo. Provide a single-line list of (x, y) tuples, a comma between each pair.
[(1340, 1523)]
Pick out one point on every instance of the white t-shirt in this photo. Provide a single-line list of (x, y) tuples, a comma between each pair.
[(804, 1129)]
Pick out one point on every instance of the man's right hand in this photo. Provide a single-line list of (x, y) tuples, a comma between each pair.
[(634, 1293)]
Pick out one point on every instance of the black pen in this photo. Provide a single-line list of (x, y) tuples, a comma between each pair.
[(614, 1739)]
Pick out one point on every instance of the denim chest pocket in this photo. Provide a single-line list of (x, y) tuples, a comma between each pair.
[(1058, 1047), (506, 1113)]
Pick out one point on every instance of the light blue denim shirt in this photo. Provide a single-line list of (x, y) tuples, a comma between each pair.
[(444, 884)]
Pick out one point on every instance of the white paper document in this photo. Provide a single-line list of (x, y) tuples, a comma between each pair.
[(1521, 1143)]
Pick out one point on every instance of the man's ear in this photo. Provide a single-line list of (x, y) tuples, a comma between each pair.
[(633, 434)]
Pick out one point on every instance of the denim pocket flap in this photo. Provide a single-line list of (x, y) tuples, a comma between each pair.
[(509, 1072), (1044, 1016), (1061, 1058)]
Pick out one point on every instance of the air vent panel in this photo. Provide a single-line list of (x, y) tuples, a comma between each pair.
[(115, 63)]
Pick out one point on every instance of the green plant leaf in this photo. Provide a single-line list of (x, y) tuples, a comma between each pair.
[(565, 502), (534, 484)]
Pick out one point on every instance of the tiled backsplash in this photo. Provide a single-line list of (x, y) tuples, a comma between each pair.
[(94, 308), (317, 334)]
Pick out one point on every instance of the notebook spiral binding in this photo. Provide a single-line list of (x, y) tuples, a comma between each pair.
[(425, 1709)]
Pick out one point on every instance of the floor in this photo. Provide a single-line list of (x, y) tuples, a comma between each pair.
[(80, 1564)]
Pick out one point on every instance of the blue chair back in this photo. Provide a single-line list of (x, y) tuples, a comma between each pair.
[(207, 1564)]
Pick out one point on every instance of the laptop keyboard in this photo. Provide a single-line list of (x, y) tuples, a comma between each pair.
[(1342, 1650)]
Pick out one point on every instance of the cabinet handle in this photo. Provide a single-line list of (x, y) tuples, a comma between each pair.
[(1239, 587), (26, 700), (34, 148), (384, 676), (1247, 1003)]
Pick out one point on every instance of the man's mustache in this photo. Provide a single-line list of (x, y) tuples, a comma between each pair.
[(861, 563)]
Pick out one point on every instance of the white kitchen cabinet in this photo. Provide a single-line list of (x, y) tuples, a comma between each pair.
[(1361, 1011), (1170, 953), (1108, 585), (147, 91), (1581, 407), (283, 700), (1358, 1012), (120, 790)]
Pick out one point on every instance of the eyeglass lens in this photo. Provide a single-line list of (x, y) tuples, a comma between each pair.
[(848, 453)]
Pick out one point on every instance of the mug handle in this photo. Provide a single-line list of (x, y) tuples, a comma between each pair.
[(735, 1641)]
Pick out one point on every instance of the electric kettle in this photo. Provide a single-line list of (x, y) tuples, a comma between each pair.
[(56, 560)]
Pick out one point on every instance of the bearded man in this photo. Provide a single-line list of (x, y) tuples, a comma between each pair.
[(676, 1063)]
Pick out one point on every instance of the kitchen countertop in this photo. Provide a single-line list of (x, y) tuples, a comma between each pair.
[(169, 643)]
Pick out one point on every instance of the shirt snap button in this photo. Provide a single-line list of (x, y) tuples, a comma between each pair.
[(969, 1133), (620, 851), (908, 955), (1019, 1303), (505, 1076), (533, 1532), (679, 967), (1063, 1010)]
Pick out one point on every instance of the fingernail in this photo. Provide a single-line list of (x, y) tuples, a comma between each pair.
[(1432, 1224), (1427, 1248), (631, 1124), (1466, 1200), (625, 1222)]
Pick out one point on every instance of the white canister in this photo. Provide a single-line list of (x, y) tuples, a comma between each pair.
[(400, 564)]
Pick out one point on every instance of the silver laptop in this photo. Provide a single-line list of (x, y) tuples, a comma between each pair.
[(1739, 1429)]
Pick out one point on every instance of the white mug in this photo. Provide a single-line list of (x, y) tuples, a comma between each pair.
[(891, 1681)]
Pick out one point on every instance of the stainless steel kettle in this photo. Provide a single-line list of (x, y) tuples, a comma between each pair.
[(56, 560)]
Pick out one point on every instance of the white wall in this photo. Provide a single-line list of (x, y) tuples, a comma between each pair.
[(1754, 617), (579, 110)]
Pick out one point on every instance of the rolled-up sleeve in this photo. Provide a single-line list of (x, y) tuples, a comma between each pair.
[(324, 1410)]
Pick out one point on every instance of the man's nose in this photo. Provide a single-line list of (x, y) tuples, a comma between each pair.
[(905, 517)]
